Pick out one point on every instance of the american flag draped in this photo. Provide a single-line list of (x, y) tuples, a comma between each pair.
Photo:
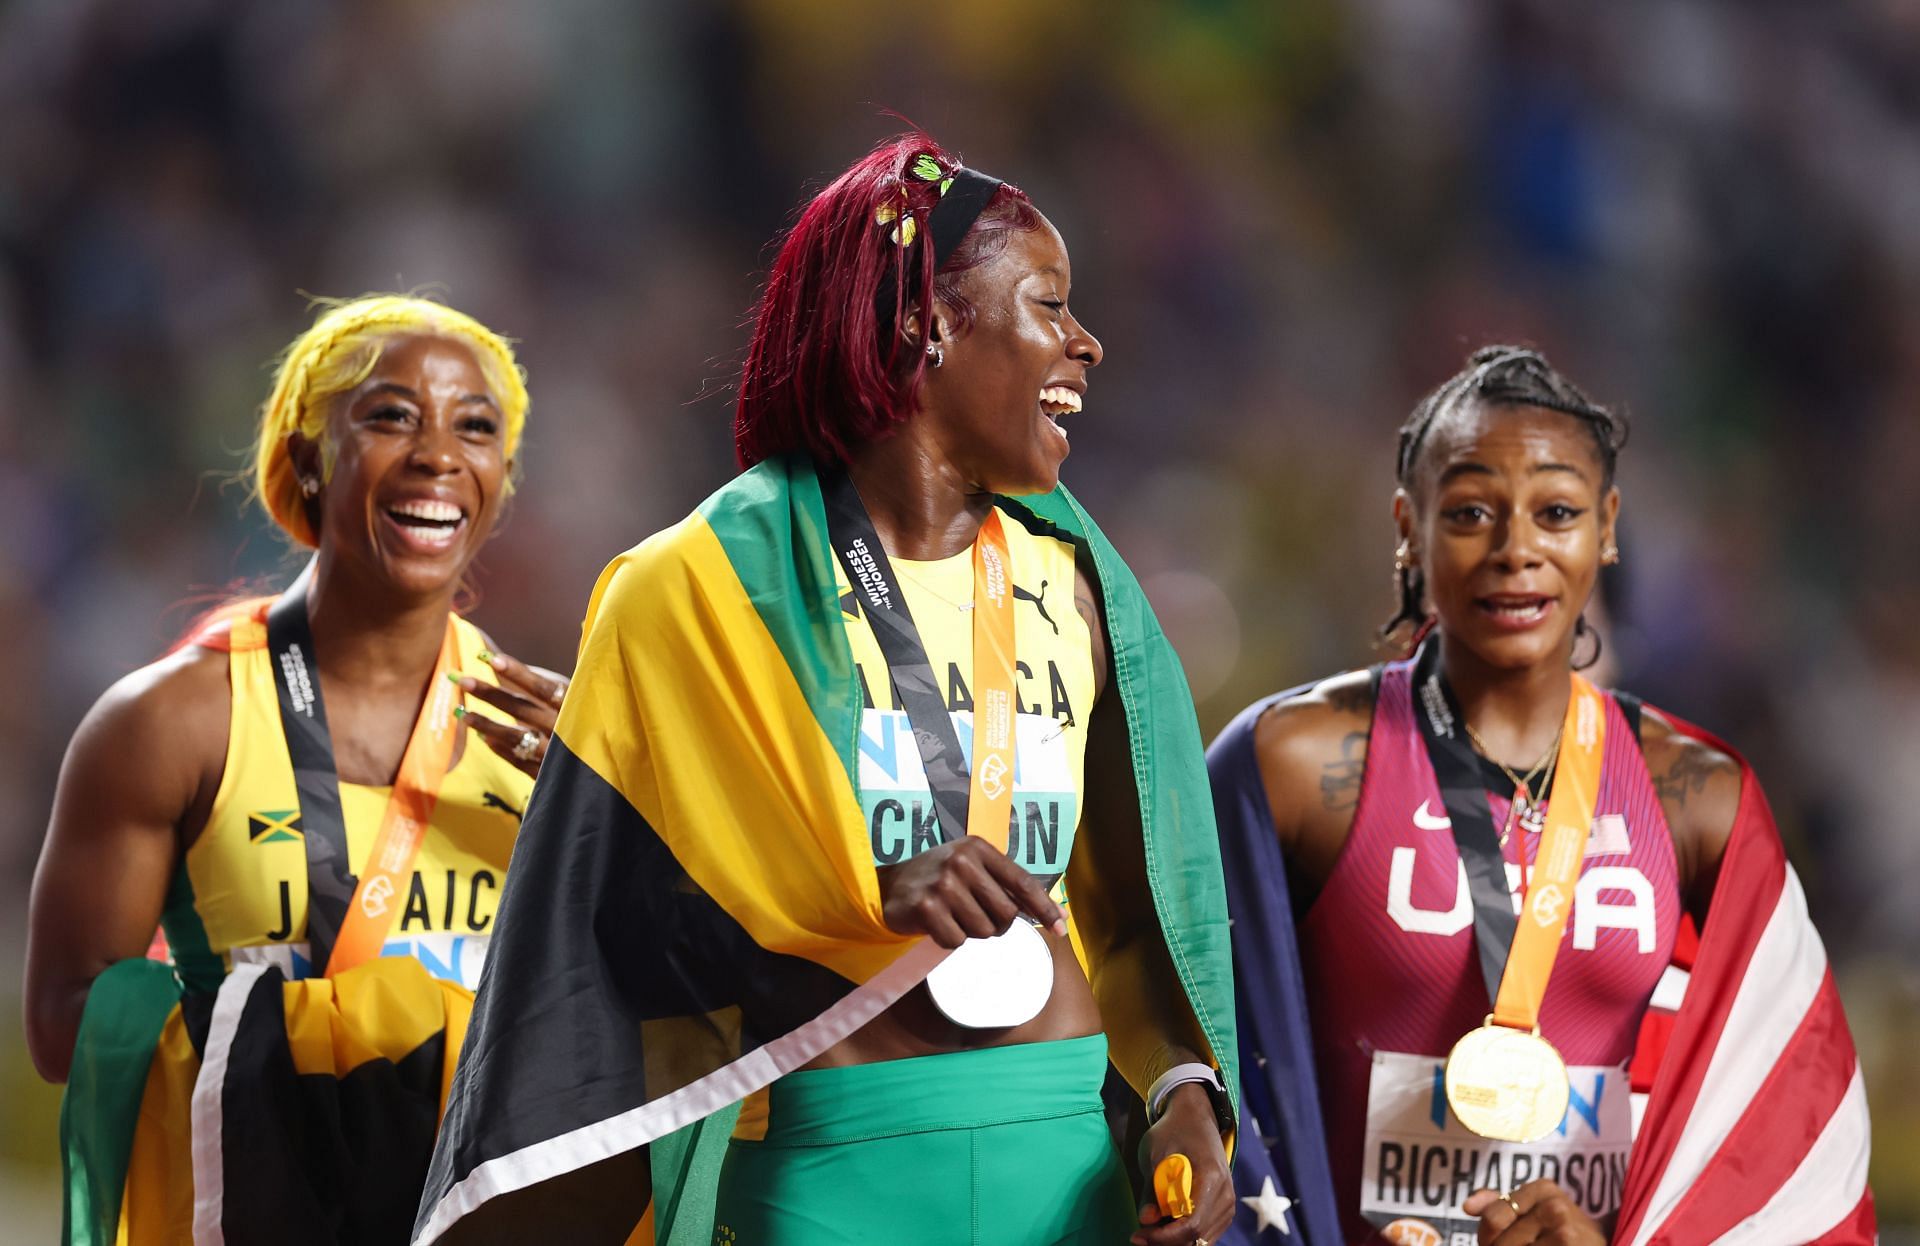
[(1755, 1129)]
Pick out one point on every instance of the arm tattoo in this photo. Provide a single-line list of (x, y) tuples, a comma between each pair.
[(1083, 602), (1340, 780), (1688, 773)]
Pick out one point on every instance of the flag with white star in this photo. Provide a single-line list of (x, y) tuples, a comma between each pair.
[(1280, 1172)]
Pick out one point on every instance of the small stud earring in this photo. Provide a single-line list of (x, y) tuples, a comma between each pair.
[(1402, 559), (1611, 556), (936, 355), (309, 486)]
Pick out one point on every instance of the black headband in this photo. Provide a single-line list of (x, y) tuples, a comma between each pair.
[(966, 197)]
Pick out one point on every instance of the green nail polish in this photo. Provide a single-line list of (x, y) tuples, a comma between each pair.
[(459, 711), (486, 657), (453, 677)]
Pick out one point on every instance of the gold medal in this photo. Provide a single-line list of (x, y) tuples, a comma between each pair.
[(1503, 1080), (1507, 1084)]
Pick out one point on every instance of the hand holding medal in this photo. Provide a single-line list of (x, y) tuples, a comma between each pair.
[(966, 893), (964, 889)]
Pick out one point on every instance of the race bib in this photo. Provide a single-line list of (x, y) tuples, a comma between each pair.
[(899, 809), (1421, 1162), (456, 958)]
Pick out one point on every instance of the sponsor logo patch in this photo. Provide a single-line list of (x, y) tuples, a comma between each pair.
[(1411, 1233)]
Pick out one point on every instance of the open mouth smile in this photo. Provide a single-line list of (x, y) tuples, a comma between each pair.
[(1057, 401), (427, 524)]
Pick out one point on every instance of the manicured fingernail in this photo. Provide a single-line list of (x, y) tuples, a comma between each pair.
[(488, 658), (459, 711), (1060, 927), (454, 678)]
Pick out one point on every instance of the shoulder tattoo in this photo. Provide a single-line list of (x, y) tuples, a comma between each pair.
[(1340, 780), (1687, 774), (1089, 611)]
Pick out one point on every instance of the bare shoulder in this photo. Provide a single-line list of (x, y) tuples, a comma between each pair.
[(164, 725), (1699, 791), (1312, 750), (1298, 736), (1692, 778)]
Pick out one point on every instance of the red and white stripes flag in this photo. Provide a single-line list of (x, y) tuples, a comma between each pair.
[(1755, 1129)]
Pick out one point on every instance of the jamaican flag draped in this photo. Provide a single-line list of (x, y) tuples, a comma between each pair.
[(256, 1109), (692, 909)]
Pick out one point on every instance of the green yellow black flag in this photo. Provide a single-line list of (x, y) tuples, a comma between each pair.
[(693, 909), (282, 826)]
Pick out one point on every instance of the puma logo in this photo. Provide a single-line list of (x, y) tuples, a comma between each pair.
[(1039, 603), (494, 802)]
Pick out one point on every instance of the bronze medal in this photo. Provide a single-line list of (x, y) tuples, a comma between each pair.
[(1507, 1084)]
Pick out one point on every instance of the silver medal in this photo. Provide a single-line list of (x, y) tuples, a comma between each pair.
[(993, 983)]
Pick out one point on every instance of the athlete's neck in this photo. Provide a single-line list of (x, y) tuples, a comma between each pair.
[(922, 505), (366, 635), (1515, 711)]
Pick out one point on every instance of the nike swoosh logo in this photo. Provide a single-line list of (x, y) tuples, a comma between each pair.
[(1428, 822)]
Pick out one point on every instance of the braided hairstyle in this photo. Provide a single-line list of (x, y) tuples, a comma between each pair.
[(337, 354), (1508, 376)]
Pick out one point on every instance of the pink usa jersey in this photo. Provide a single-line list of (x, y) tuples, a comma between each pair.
[(1388, 955)]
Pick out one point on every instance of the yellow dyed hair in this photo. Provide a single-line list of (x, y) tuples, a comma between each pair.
[(338, 353)]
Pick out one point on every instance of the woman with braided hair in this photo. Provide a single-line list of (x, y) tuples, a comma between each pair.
[(315, 796), (1487, 863)]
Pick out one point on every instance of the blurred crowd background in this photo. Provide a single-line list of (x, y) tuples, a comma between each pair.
[(1287, 221)]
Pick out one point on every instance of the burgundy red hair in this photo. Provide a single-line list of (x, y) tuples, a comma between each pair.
[(828, 368)]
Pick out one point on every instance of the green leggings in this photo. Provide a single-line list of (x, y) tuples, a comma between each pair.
[(1001, 1147)]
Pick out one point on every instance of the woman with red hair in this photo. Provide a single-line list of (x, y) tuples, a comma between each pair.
[(920, 848)]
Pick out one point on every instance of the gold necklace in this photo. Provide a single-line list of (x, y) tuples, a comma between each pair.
[(1523, 789)]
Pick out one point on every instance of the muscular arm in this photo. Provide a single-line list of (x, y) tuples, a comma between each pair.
[(143, 764), (1312, 750), (1699, 790)]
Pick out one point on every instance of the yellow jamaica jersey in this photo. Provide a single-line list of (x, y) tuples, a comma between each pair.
[(240, 897), (1053, 694)]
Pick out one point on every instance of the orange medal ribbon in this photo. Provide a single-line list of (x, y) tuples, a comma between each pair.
[(403, 827), (990, 802), (1550, 887)]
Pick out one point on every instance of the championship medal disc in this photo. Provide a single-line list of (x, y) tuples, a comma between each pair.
[(1507, 1084), (992, 983)]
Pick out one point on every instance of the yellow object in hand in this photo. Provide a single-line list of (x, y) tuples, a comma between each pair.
[(1173, 1186)]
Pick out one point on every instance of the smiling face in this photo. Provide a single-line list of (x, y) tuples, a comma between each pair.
[(419, 466), (1009, 380), (1508, 520)]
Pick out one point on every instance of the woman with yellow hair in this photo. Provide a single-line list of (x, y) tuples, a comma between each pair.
[(294, 795)]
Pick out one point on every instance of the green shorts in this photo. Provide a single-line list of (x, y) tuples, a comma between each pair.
[(1002, 1147)]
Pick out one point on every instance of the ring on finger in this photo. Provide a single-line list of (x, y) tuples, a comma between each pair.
[(529, 745), (1508, 1200)]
